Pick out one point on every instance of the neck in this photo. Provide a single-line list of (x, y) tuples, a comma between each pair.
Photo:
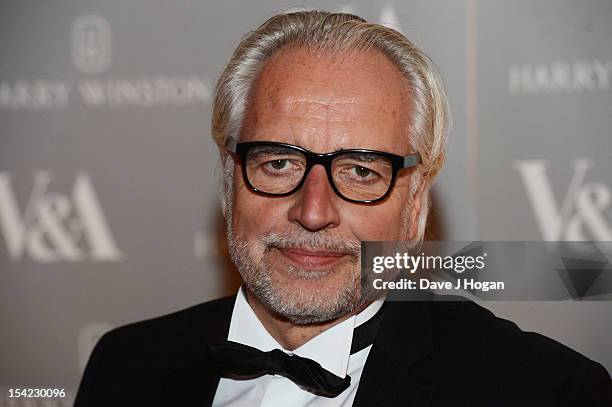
[(289, 335)]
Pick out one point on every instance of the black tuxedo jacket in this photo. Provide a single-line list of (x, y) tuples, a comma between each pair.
[(425, 354)]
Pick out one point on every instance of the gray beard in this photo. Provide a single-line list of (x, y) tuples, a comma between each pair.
[(301, 308)]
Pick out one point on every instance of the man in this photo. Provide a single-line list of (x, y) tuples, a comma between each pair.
[(331, 131)]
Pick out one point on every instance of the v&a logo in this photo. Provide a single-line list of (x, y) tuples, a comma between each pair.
[(55, 227), (581, 214)]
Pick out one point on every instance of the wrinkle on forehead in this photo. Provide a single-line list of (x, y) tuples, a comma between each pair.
[(330, 102), (337, 109)]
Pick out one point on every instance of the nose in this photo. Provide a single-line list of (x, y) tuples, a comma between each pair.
[(315, 203)]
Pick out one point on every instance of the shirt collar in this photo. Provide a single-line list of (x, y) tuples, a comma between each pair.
[(331, 348)]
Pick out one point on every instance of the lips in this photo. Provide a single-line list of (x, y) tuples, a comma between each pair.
[(308, 258)]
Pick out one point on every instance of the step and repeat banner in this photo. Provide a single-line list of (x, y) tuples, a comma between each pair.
[(109, 208)]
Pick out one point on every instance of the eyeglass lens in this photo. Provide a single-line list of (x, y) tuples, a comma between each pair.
[(356, 176)]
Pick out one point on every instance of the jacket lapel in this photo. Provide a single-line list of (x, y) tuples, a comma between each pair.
[(195, 383), (389, 377)]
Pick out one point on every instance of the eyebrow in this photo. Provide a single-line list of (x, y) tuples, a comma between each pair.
[(365, 157), (272, 150)]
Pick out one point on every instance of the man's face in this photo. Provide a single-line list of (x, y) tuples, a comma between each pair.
[(299, 254)]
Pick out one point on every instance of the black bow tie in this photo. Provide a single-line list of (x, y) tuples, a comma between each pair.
[(238, 361)]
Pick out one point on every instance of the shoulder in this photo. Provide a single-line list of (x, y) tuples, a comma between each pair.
[(188, 326), (475, 327), (128, 364), (493, 350)]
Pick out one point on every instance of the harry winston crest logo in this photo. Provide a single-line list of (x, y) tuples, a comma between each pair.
[(91, 44), (55, 227), (579, 215)]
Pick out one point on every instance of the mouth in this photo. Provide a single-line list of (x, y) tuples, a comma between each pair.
[(311, 258)]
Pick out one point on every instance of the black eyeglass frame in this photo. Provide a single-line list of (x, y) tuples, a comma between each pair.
[(398, 163)]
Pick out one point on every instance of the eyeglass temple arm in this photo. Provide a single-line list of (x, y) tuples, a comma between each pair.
[(231, 145), (412, 160)]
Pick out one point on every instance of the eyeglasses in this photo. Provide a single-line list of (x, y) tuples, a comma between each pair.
[(356, 175)]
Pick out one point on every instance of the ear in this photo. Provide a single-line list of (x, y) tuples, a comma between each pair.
[(223, 205), (418, 201), (224, 158)]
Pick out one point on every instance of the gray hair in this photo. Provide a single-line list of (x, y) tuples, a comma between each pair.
[(321, 31)]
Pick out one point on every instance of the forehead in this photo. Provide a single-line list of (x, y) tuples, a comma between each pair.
[(328, 102)]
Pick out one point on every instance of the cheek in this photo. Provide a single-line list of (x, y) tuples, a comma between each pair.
[(381, 222), (253, 214)]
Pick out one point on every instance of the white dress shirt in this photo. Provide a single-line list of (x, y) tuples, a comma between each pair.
[(331, 349)]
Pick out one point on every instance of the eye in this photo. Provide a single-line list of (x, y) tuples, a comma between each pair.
[(358, 174), (278, 164), (281, 166), (362, 172)]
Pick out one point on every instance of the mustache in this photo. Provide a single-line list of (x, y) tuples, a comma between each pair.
[(311, 240)]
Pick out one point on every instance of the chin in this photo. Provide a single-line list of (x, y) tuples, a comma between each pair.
[(305, 299)]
